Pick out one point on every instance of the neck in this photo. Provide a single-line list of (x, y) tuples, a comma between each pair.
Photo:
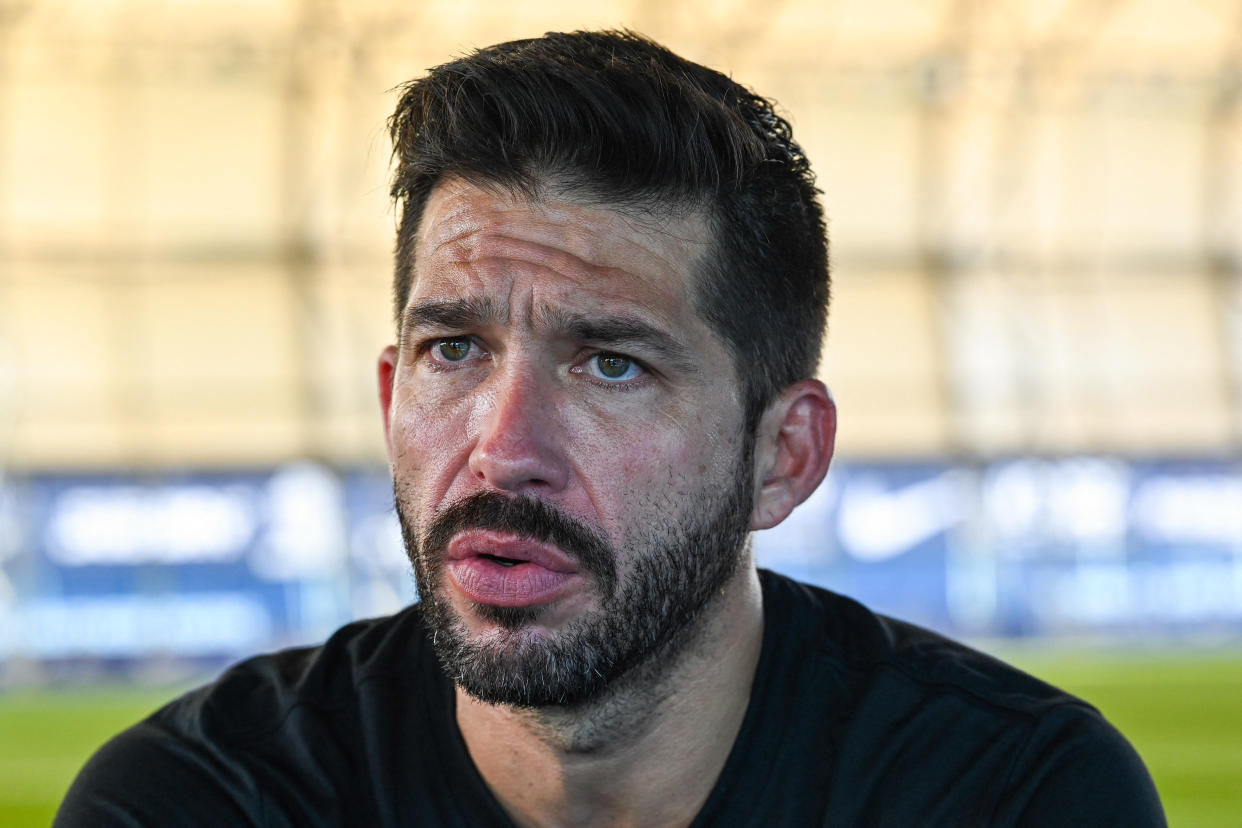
[(650, 750)]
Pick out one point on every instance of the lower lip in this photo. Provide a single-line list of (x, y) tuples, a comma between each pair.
[(485, 581)]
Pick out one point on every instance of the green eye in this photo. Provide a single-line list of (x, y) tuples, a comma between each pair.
[(613, 366), (454, 350)]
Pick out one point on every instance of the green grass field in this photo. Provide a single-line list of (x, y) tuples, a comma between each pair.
[(1182, 711)]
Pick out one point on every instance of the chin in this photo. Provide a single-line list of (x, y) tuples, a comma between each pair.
[(508, 618)]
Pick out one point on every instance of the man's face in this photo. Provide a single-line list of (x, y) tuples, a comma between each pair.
[(566, 442)]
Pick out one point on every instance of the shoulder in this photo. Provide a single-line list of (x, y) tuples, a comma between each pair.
[(965, 733), (227, 745), (865, 647), (1076, 769), (256, 696)]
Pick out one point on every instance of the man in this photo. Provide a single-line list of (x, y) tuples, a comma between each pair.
[(611, 288)]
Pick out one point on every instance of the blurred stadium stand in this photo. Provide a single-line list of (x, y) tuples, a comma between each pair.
[(1035, 341)]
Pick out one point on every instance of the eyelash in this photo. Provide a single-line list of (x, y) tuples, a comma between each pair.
[(579, 368), (583, 367), (426, 349)]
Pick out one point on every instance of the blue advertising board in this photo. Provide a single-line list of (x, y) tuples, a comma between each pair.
[(222, 565)]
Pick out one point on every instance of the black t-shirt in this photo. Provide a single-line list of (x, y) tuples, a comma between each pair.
[(854, 720)]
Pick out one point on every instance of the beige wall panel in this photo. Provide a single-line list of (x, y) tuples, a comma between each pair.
[(1071, 424), (355, 324), (64, 392), (881, 364), (111, 366), (994, 328), (1131, 182), (1082, 203), (964, 165), (1030, 216), (210, 156), (55, 162), (1169, 364), (1153, 177), (60, 441), (455, 27), (204, 326), (1089, 361), (1134, 364), (212, 438), (853, 26), (59, 324), (364, 221), (1183, 35), (1166, 334), (866, 159), (185, 19), (225, 439)]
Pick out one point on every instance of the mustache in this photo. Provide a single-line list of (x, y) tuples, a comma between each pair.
[(529, 518)]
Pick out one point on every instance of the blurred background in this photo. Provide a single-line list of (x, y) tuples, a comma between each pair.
[(1035, 341)]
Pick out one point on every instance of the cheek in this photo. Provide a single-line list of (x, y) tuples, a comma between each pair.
[(475, 412), (629, 439), (632, 464), (427, 437)]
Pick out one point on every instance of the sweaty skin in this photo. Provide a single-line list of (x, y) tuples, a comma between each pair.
[(526, 412), (552, 349)]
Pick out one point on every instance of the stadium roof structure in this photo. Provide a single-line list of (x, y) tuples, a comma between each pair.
[(1034, 206)]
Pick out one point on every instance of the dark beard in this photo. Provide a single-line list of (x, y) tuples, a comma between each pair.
[(677, 570)]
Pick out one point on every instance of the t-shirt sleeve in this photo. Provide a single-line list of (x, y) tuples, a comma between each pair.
[(1078, 770), (148, 776)]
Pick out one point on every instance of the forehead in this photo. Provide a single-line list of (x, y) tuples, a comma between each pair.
[(474, 241)]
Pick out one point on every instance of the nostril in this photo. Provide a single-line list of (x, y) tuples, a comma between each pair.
[(518, 445), (516, 467)]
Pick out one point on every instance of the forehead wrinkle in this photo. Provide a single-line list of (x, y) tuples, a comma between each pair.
[(505, 250), (602, 242)]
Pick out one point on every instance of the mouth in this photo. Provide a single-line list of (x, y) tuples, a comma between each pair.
[(498, 569), (502, 561)]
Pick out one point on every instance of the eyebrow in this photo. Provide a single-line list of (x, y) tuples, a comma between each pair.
[(621, 331), (450, 313)]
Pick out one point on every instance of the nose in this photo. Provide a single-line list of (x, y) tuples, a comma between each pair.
[(519, 446)]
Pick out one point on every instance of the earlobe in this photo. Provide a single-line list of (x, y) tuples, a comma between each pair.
[(387, 371), (794, 446)]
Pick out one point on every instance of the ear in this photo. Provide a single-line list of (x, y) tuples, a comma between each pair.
[(793, 447), (387, 374)]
